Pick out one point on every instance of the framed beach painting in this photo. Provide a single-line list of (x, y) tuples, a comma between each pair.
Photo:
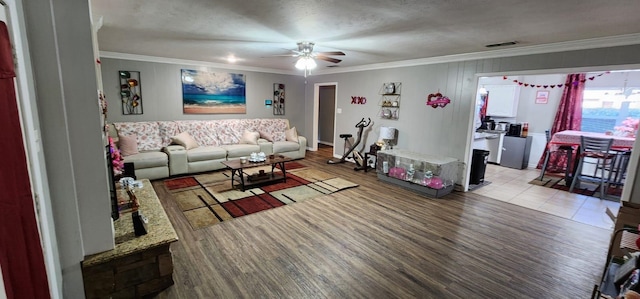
[(208, 93)]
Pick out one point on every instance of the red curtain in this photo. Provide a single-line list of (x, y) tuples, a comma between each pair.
[(21, 258), (568, 117)]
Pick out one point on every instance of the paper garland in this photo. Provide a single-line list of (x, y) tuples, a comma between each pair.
[(555, 85)]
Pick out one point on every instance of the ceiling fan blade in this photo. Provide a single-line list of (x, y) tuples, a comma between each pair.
[(332, 53), (330, 59)]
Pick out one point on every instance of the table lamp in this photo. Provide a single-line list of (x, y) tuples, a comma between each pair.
[(387, 134)]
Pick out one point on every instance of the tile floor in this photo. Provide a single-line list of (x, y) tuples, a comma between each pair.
[(512, 186)]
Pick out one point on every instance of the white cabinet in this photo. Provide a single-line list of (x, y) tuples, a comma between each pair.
[(503, 100)]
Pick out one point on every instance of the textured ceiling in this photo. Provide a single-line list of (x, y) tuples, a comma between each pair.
[(368, 31)]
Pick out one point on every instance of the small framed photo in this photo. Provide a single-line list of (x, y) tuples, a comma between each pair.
[(542, 97)]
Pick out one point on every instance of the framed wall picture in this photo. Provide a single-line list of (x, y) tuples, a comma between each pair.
[(542, 97), (130, 92), (207, 93), (278, 99)]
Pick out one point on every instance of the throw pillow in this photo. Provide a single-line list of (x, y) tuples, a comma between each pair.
[(185, 140), (291, 134), (249, 137), (128, 145), (279, 136), (266, 136)]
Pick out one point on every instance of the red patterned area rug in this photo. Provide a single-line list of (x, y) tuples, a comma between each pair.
[(207, 199)]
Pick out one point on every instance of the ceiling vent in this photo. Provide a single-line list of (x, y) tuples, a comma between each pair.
[(501, 44)]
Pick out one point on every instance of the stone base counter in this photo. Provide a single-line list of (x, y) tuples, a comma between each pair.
[(137, 266)]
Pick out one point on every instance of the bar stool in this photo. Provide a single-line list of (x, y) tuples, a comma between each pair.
[(566, 149), (598, 149)]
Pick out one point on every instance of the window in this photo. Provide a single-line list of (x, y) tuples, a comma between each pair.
[(605, 107)]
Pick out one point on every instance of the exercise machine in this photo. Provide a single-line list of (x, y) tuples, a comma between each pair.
[(357, 157)]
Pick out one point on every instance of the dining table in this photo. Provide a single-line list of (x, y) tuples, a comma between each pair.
[(572, 138)]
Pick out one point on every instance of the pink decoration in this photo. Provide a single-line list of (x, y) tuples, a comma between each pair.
[(440, 100), (435, 183), (629, 128), (116, 159), (575, 82)]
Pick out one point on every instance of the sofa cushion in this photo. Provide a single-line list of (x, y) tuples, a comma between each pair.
[(167, 129), (127, 144), (285, 146), (185, 140), (249, 137), (266, 136), (148, 159), (204, 132), (291, 135), (205, 153), (240, 150), (148, 133)]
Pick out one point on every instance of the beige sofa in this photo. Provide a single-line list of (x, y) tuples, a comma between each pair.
[(158, 156)]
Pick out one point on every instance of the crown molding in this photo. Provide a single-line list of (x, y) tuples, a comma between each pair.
[(234, 67), (594, 43)]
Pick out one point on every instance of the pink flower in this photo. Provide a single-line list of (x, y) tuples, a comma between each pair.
[(629, 127), (117, 162)]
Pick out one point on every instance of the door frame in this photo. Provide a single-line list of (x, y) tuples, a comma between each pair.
[(25, 96), (316, 113)]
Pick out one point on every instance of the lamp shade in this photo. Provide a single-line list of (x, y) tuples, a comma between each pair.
[(305, 63), (387, 133)]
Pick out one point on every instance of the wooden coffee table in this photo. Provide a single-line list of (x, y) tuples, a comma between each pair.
[(237, 168)]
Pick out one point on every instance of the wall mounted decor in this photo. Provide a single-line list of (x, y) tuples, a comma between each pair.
[(278, 99), (542, 97), (207, 93), (130, 92), (358, 100), (390, 100), (439, 101)]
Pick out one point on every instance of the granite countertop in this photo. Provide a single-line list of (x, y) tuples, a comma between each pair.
[(491, 131), (159, 229)]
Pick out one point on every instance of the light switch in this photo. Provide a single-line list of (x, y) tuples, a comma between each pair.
[(339, 110)]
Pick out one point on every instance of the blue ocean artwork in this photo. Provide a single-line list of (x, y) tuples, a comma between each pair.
[(207, 92)]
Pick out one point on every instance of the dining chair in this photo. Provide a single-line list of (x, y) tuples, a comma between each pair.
[(618, 170), (566, 149), (594, 151)]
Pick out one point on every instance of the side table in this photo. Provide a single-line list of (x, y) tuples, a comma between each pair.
[(366, 159)]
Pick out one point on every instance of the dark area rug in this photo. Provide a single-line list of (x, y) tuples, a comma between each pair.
[(207, 199), (586, 188)]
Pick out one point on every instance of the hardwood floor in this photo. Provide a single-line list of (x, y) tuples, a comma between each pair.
[(381, 241)]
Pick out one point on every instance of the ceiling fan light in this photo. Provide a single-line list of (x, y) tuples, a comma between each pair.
[(311, 64), (306, 63)]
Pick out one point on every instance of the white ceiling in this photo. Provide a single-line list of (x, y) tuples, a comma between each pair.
[(368, 31)]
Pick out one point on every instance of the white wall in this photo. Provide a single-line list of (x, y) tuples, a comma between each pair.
[(162, 92)]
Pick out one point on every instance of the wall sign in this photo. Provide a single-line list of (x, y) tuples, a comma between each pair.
[(542, 97), (358, 100)]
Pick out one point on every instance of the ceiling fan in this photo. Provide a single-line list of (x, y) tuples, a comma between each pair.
[(306, 56)]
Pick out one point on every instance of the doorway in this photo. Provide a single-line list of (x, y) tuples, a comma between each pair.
[(44, 266), (324, 114)]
